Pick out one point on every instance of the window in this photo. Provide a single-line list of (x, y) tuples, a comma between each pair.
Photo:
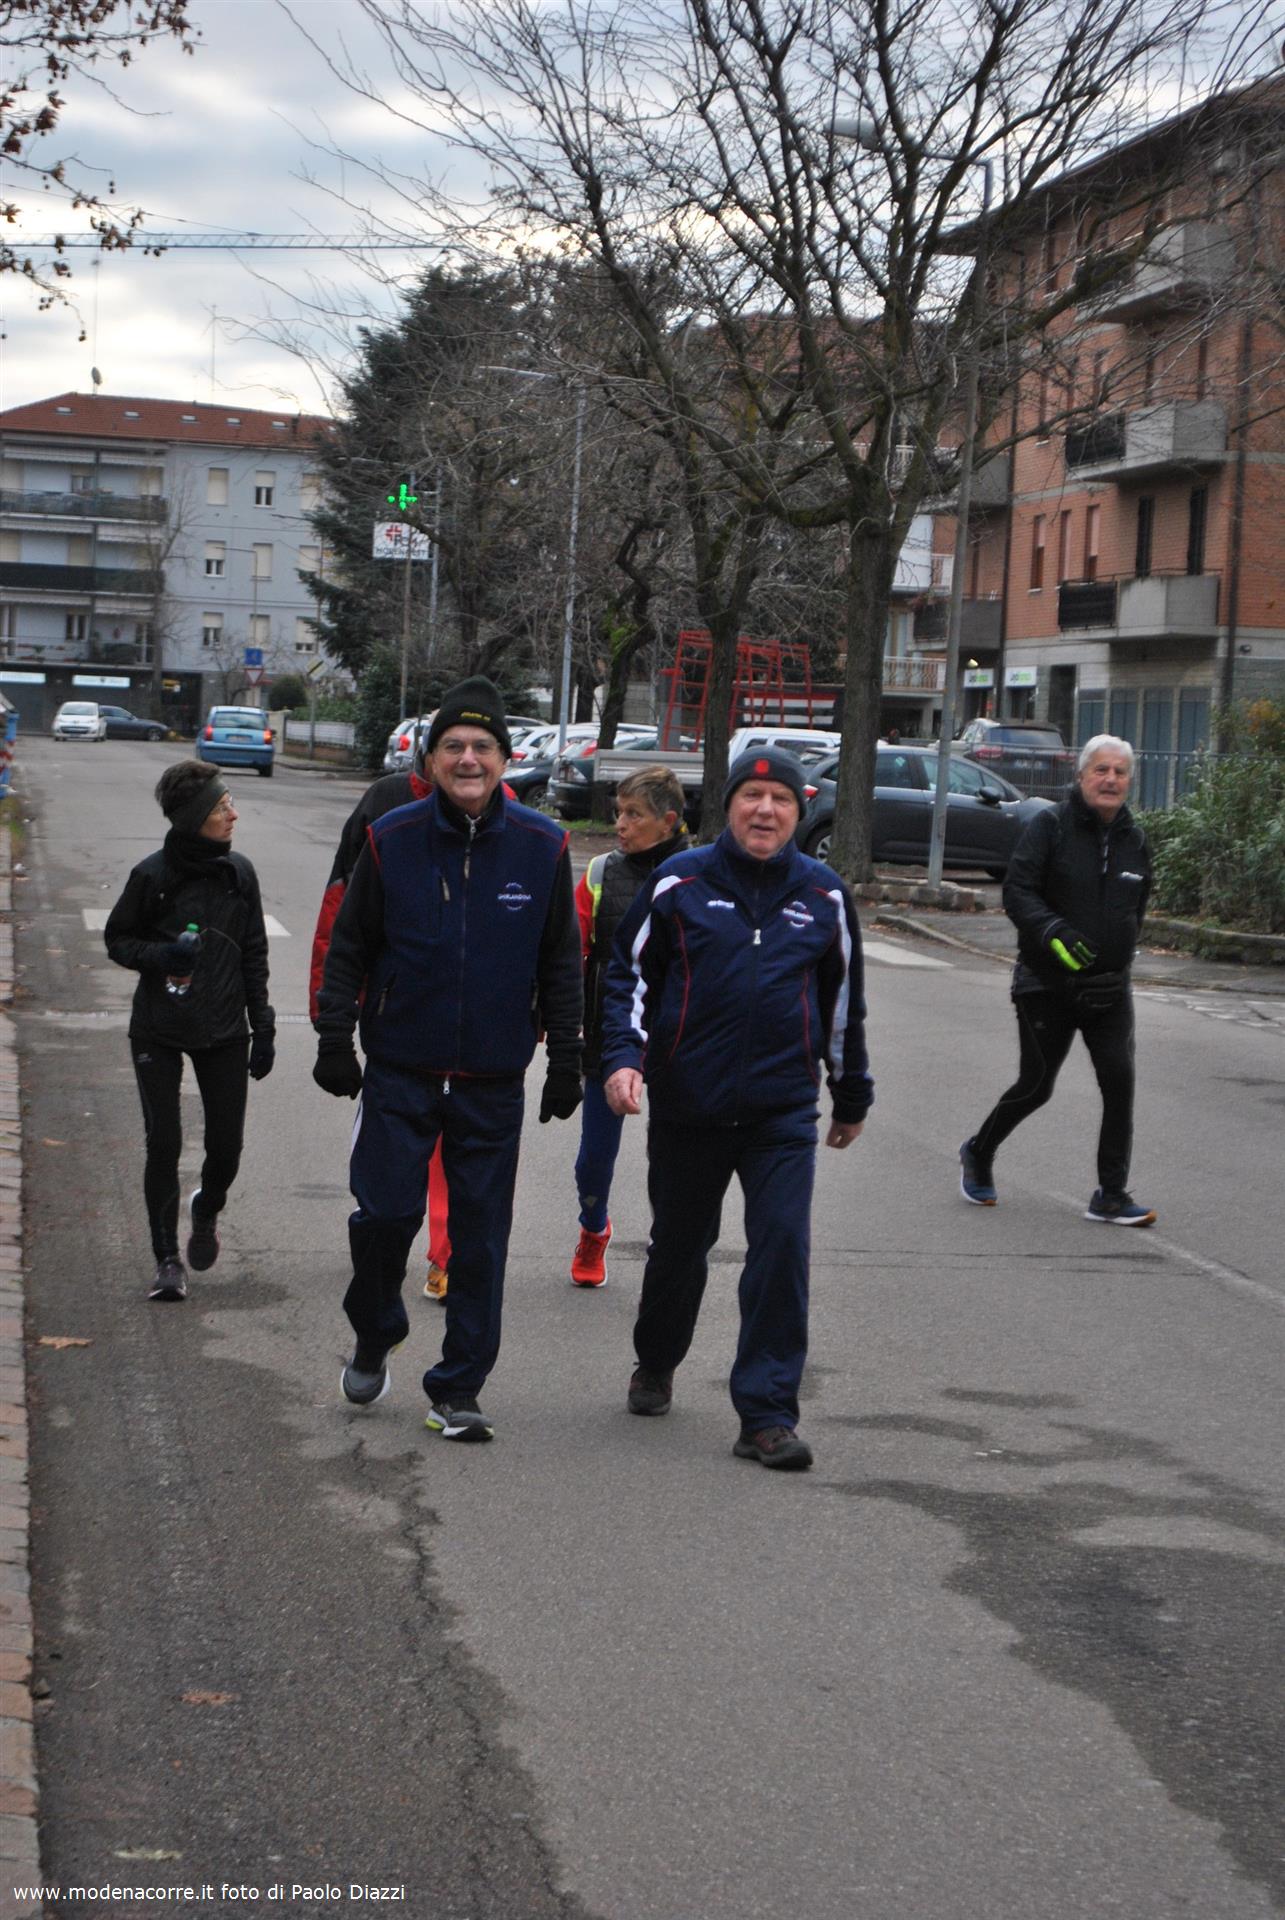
[(1090, 715), (261, 562), (310, 559), (143, 640), (260, 629), (211, 630), (216, 487), (1042, 426), (10, 545), (265, 485), (961, 776), (1037, 552), (216, 552), (1197, 524), (149, 483), (80, 549), (83, 482), (1202, 366), (1122, 714), (1092, 539), (77, 627), (309, 491), (896, 770), (1064, 545), (1146, 533), (305, 636)]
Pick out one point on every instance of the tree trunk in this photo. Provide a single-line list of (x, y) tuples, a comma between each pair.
[(872, 565)]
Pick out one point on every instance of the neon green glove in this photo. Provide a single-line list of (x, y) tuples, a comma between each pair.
[(1075, 957)]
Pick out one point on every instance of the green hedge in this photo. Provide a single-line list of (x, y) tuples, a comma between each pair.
[(1220, 855)]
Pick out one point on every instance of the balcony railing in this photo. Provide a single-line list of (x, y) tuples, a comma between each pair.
[(1150, 606), (1148, 440), (1186, 265), (38, 578), (1095, 441), (981, 623), (86, 506), (911, 673)]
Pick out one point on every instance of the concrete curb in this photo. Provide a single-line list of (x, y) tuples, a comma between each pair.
[(19, 1801)]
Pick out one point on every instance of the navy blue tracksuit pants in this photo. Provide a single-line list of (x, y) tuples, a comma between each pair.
[(398, 1122), (688, 1173)]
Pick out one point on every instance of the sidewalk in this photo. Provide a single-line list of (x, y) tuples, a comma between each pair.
[(990, 933), (19, 1846)]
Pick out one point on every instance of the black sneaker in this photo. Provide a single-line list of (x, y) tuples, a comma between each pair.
[(976, 1181), (203, 1241), (650, 1392), (778, 1447), (367, 1377), (459, 1418), (1119, 1210), (170, 1282)]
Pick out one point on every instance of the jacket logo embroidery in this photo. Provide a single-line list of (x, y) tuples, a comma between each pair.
[(726, 904), (514, 896), (797, 914), (1131, 876)]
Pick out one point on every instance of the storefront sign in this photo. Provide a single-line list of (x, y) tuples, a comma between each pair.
[(1021, 676), (27, 679), (100, 680), (979, 676)]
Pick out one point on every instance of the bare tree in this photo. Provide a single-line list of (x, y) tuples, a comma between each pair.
[(698, 164), (47, 43)]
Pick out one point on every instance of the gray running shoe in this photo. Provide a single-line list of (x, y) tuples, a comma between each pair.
[(170, 1282), (459, 1418), (367, 1377)]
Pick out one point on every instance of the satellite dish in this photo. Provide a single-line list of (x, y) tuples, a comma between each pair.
[(95, 376)]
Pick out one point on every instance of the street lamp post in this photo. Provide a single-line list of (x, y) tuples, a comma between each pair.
[(941, 796), (569, 612)]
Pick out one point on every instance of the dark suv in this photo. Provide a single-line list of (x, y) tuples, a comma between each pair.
[(1030, 753)]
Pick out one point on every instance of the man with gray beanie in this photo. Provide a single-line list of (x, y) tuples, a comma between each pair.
[(455, 942), (190, 924), (736, 977)]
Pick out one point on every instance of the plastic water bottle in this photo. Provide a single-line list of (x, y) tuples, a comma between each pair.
[(190, 941)]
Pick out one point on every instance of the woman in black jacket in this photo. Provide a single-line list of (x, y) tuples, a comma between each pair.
[(194, 1001)]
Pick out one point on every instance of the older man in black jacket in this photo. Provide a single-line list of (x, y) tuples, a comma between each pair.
[(1076, 891)]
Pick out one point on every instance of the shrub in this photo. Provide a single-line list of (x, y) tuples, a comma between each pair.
[(1221, 853), (289, 692), (378, 705)]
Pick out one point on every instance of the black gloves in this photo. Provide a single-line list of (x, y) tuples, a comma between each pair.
[(263, 1053), (338, 1069), (1072, 950), (562, 1094)]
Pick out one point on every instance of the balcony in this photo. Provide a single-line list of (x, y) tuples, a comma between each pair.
[(981, 623), (1147, 441), (1186, 265), (990, 483), (1154, 606), (86, 506), (911, 673), (32, 577)]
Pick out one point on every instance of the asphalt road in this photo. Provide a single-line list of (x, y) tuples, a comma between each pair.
[(1013, 1648)]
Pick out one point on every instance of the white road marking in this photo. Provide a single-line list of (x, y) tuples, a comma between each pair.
[(1213, 1269), (95, 919), (893, 956)]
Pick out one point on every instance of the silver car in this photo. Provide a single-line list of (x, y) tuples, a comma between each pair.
[(79, 720)]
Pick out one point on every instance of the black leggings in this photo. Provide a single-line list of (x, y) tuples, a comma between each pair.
[(222, 1076), (1047, 1023)]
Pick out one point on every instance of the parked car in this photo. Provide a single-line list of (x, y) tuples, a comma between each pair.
[(79, 720), (572, 779), (400, 751), (1031, 754), (803, 741), (530, 769), (985, 815), (122, 725), (237, 737)]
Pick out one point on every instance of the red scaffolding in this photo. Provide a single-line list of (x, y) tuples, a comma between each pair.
[(772, 686)]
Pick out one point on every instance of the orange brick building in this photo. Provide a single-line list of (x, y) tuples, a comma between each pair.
[(1126, 565)]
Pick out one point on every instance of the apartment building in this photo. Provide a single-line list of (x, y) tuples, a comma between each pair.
[(150, 552), (1126, 562)]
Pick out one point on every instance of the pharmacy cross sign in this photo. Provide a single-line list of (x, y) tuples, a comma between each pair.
[(403, 498)]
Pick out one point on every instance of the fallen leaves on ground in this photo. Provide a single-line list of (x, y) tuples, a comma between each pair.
[(61, 1340), (199, 1697)]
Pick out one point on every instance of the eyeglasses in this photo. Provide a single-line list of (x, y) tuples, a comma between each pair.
[(454, 749), (225, 807)]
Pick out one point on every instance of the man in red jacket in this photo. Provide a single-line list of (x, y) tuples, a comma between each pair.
[(380, 797)]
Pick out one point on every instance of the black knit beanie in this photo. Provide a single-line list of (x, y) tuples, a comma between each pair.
[(765, 763), (473, 703)]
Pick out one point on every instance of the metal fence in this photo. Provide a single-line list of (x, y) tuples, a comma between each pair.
[(329, 733)]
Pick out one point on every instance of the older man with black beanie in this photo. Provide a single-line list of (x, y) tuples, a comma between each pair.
[(736, 979), (455, 943)]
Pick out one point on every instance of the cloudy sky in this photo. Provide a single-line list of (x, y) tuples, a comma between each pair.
[(235, 139)]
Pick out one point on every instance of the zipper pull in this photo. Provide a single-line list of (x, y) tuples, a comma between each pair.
[(446, 892), (446, 1085), (758, 937)]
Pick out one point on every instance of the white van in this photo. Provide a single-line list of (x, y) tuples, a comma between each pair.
[(803, 741)]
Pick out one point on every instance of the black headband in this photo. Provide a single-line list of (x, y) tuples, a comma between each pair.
[(192, 815)]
